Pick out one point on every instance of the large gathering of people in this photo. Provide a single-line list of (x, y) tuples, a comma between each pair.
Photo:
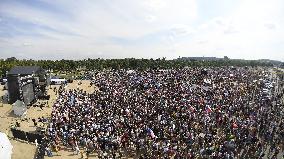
[(189, 113)]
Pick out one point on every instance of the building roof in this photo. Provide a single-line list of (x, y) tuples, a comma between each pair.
[(26, 70)]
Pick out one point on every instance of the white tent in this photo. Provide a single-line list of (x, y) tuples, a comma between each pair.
[(130, 71), (19, 108), (58, 81), (5, 147)]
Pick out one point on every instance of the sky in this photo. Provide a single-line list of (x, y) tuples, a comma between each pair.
[(72, 29)]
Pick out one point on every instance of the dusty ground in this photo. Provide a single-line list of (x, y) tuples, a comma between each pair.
[(24, 150)]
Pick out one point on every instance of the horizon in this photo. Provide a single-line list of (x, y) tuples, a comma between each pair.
[(217, 58), (48, 30)]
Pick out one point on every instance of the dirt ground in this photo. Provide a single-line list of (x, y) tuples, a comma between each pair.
[(25, 150)]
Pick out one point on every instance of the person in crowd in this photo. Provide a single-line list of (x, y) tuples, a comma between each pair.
[(180, 113)]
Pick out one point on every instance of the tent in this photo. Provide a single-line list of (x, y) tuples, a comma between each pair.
[(19, 108), (5, 147), (130, 71), (58, 81)]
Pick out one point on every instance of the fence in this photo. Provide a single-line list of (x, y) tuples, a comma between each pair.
[(31, 137), (26, 136)]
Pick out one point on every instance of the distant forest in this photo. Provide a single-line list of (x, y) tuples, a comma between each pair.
[(128, 63)]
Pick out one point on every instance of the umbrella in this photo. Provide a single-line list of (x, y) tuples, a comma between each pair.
[(5, 147)]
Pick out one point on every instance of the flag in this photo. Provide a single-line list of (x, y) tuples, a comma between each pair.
[(191, 108), (235, 126), (208, 109), (151, 133)]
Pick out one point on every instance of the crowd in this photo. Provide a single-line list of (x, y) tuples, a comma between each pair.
[(183, 113)]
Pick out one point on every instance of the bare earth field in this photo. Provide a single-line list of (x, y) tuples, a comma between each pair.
[(25, 150)]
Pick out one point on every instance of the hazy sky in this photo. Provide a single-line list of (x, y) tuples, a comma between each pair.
[(77, 29)]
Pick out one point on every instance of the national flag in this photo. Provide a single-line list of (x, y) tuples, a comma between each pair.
[(191, 108), (235, 126), (208, 109), (151, 133)]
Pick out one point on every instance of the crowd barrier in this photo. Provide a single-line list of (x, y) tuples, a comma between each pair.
[(40, 151), (26, 136)]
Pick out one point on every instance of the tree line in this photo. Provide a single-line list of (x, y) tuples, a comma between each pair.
[(127, 63)]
